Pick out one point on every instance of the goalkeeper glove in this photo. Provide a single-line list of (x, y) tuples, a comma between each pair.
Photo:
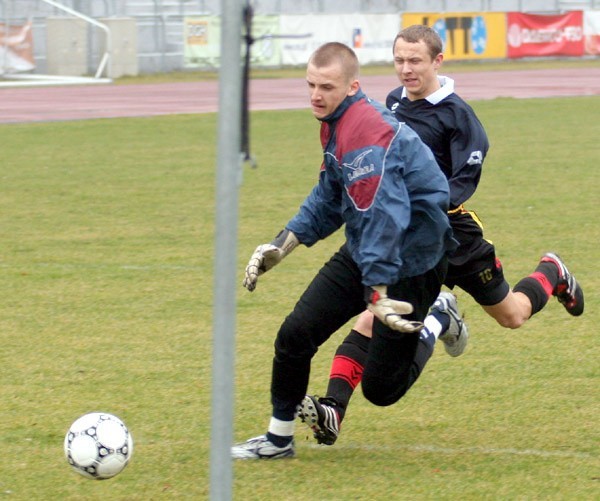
[(389, 310), (268, 255)]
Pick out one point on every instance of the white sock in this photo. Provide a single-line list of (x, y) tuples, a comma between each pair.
[(433, 325), (281, 428)]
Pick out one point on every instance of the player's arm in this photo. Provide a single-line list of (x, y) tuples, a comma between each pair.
[(320, 214), (318, 217), (376, 225), (468, 148), (266, 256), (384, 220)]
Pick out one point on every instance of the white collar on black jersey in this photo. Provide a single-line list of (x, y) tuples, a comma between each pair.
[(447, 88)]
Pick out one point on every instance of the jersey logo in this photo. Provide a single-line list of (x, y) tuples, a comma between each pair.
[(357, 169), (362, 180), (476, 158)]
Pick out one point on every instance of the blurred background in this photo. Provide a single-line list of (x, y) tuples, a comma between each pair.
[(113, 38)]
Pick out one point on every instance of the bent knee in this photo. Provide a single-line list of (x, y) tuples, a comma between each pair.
[(510, 321), (512, 312), (381, 395), (294, 341)]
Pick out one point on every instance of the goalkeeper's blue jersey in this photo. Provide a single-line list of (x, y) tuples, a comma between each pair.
[(381, 181), (449, 126)]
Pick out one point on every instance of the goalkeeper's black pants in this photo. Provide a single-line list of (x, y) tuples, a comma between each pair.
[(335, 296)]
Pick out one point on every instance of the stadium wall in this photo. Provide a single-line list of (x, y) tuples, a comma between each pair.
[(189, 39)]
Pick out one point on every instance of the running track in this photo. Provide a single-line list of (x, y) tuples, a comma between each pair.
[(44, 104)]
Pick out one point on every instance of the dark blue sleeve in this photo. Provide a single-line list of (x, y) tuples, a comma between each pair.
[(468, 148), (320, 214)]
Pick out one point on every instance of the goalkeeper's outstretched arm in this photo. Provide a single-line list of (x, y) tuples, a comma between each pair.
[(266, 256)]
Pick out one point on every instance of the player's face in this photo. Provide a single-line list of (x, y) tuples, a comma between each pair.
[(328, 86), (415, 68)]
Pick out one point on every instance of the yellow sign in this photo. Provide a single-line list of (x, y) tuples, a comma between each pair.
[(466, 35), (196, 32)]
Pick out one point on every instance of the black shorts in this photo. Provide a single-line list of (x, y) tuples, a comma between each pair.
[(334, 296), (474, 266)]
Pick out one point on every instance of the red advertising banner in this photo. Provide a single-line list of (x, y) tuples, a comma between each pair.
[(542, 35)]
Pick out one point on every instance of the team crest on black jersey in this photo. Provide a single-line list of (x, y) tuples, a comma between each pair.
[(475, 158)]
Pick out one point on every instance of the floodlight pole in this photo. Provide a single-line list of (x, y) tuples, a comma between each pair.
[(229, 165)]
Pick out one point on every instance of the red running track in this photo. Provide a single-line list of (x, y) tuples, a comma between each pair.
[(42, 104)]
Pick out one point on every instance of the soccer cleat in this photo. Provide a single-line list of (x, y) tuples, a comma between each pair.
[(261, 448), (322, 418), (457, 335), (567, 290)]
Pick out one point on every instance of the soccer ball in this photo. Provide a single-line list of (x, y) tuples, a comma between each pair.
[(98, 445)]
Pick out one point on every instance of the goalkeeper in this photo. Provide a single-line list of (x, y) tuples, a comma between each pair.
[(382, 182)]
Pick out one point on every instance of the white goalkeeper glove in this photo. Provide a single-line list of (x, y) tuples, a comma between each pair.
[(390, 311), (268, 255)]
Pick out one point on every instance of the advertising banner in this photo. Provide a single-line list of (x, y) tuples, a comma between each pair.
[(202, 42), (266, 49), (591, 32), (545, 35), (466, 35), (16, 48), (370, 35)]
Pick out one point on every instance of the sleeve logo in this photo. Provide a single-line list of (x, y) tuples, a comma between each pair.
[(356, 167), (362, 179), (476, 158)]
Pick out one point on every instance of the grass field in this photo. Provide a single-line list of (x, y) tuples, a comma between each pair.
[(106, 276)]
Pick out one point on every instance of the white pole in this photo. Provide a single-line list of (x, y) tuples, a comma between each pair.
[(229, 164), (107, 57)]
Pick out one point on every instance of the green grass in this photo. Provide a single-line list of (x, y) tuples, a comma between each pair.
[(106, 276)]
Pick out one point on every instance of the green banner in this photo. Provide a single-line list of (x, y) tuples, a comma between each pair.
[(202, 42)]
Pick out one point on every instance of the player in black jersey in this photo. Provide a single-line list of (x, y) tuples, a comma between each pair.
[(448, 125)]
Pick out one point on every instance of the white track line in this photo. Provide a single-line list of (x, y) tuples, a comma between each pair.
[(458, 450), (84, 266)]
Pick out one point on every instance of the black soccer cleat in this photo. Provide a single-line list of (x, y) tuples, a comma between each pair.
[(567, 290), (322, 417)]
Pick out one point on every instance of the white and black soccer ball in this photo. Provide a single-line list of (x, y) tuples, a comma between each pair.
[(98, 445)]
